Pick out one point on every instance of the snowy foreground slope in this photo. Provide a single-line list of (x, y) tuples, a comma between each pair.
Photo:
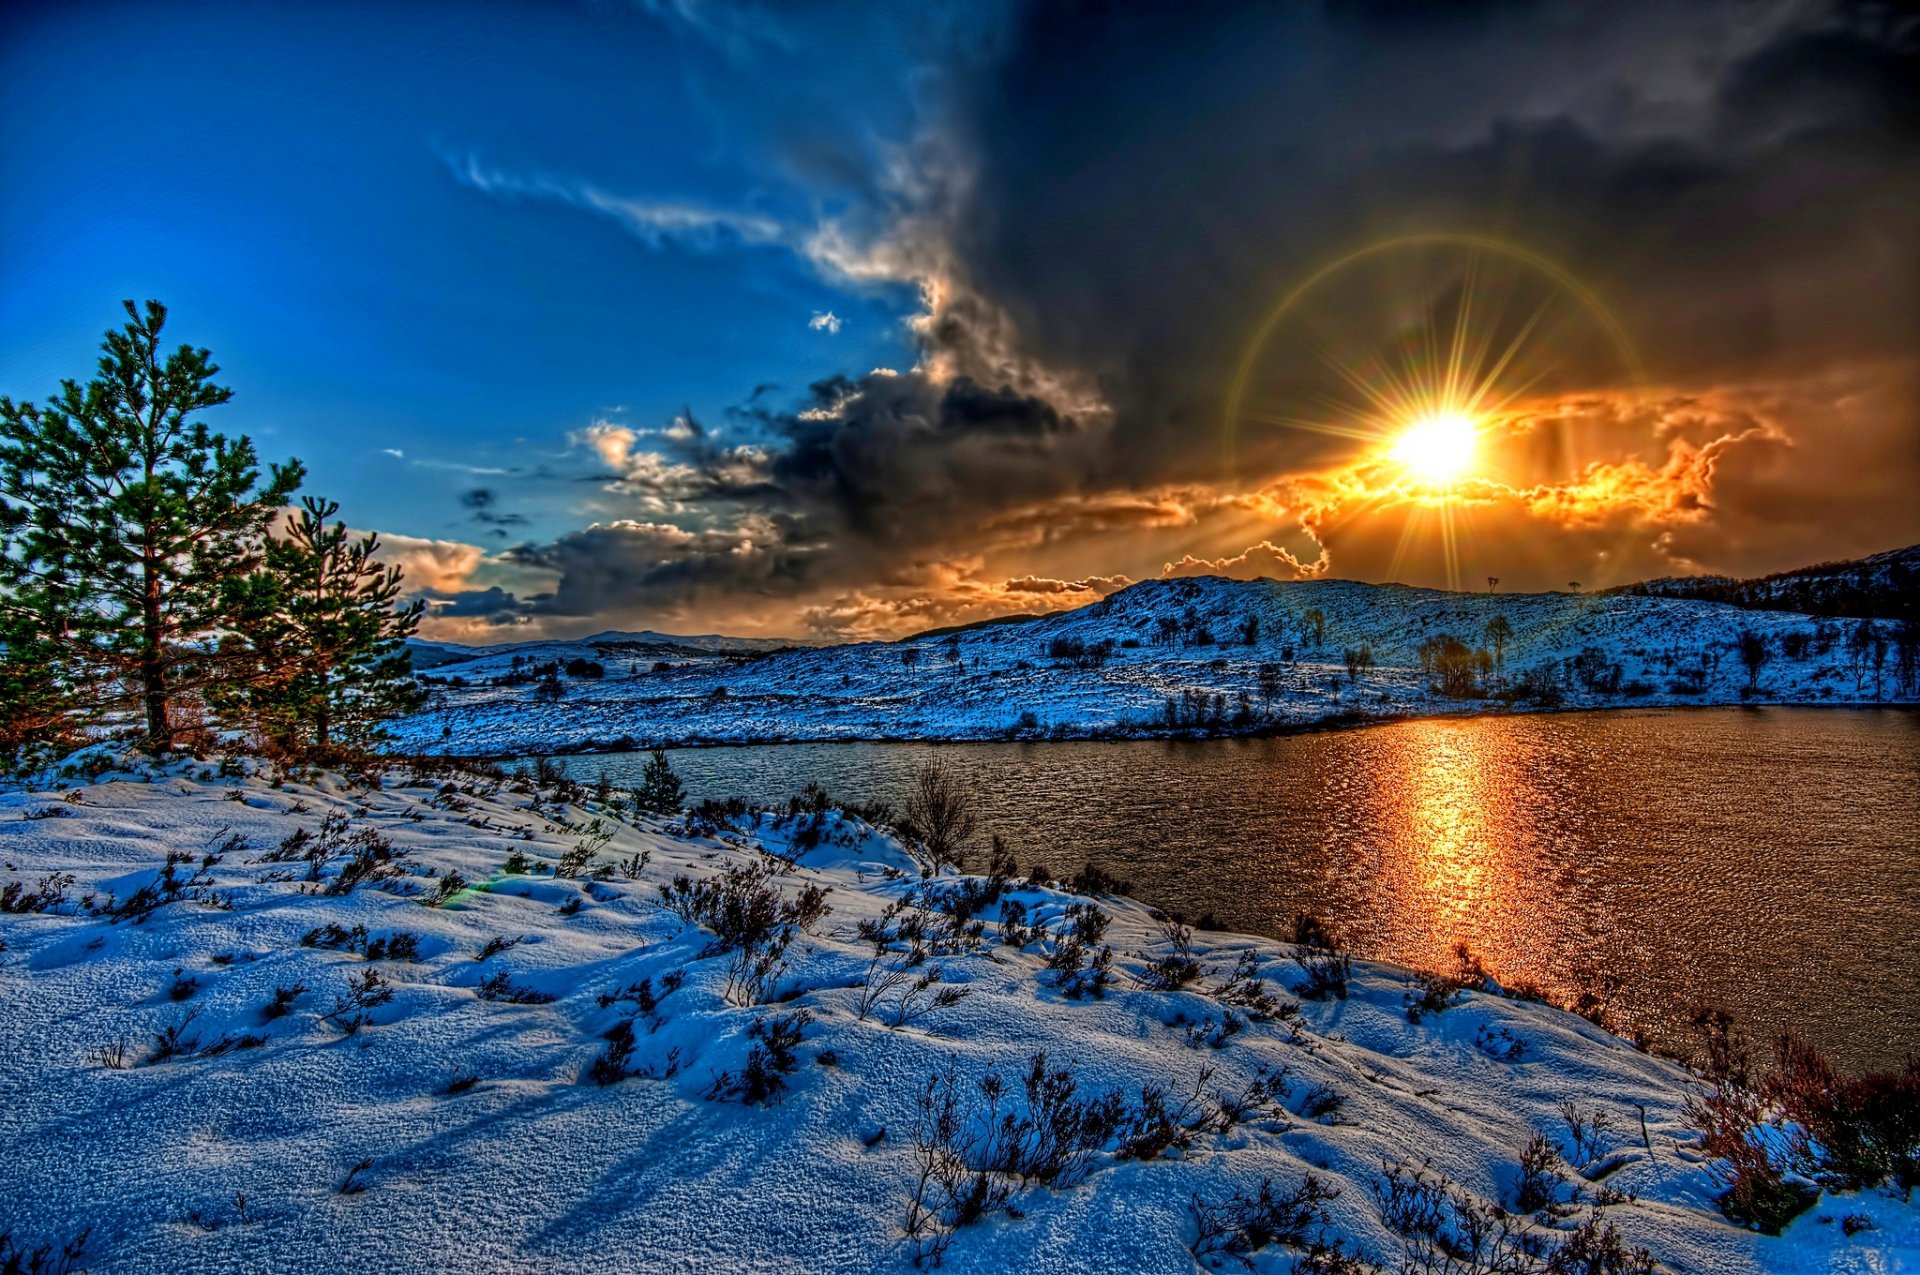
[(1179, 640), (459, 1125)]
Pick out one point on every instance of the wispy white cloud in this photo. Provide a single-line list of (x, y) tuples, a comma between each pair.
[(655, 223), (825, 321)]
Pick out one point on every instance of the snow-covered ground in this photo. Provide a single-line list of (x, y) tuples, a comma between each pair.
[(460, 1126), (1184, 640)]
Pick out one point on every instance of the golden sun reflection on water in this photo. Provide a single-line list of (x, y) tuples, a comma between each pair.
[(1456, 817)]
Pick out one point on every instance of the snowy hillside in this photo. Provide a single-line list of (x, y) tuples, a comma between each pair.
[(1188, 656), (1886, 585), (444, 1023)]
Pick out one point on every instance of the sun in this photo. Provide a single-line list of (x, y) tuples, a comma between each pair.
[(1438, 448)]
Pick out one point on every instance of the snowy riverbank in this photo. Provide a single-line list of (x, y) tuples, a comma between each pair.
[(1189, 657), (361, 1079)]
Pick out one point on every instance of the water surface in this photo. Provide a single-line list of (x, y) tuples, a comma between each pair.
[(1766, 860)]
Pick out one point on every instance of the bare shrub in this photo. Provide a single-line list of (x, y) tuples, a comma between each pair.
[(501, 987), (750, 920), (642, 1000), (22, 1257), (497, 944), (353, 1008), (1242, 1224), (1587, 1131), (1320, 956), (449, 885), (1540, 1181), (1435, 992), (1174, 968), (1327, 975), (615, 1061), (1851, 1133), (282, 1003), (575, 861), (771, 1060), (976, 1146), (49, 894), (940, 811), (1445, 1230), (397, 946)]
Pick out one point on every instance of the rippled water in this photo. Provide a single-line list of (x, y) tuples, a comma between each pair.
[(1767, 860)]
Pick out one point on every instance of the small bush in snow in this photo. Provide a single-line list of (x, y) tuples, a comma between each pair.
[(1445, 1230), (1176, 967), (904, 990), (497, 944), (398, 946), (49, 894), (1855, 1132), (450, 884), (370, 859), (574, 862), (501, 987), (1015, 932), (1245, 989), (282, 1003), (1243, 1225), (1587, 1131), (615, 1061), (749, 919), (975, 1147), (1435, 992), (1323, 1102), (1327, 968), (170, 885), (21, 1257), (352, 1009), (1538, 1187), (771, 1060), (1093, 879)]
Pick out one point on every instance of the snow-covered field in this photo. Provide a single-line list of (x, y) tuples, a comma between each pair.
[(1184, 640), (459, 1125)]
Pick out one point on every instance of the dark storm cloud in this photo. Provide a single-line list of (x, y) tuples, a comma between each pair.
[(495, 605), (1744, 188), (482, 503), (1117, 196), (885, 454), (625, 565), (863, 475)]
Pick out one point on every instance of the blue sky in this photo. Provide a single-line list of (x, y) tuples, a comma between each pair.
[(289, 180)]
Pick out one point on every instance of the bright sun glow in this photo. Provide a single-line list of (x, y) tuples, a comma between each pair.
[(1437, 449)]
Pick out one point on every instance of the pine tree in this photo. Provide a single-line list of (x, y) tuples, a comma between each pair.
[(35, 698), (124, 520), (326, 641), (660, 790)]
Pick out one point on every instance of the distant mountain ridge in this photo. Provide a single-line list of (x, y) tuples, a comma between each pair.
[(631, 645), (1883, 586)]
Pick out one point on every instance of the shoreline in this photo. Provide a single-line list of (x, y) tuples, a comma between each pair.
[(1323, 726)]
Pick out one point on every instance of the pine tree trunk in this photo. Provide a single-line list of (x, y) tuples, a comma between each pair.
[(153, 671)]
